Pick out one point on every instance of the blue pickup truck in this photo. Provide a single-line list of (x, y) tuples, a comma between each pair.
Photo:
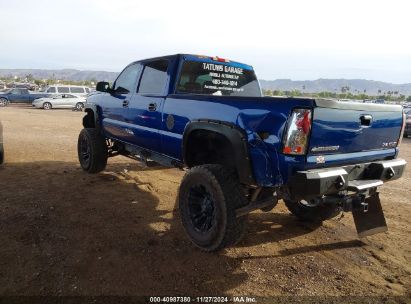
[(19, 95), (242, 151)]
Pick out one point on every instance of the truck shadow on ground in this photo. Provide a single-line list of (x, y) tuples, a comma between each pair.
[(65, 232), (274, 227)]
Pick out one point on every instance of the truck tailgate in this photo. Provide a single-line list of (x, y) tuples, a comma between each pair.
[(340, 127)]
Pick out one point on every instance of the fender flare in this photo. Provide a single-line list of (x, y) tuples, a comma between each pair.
[(93, 109), (235, 135)]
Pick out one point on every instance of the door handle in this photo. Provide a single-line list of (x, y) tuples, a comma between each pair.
[(125, 104), (366, 120), (152, 107)]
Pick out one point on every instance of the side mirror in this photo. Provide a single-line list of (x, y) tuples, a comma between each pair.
[(102, 86)]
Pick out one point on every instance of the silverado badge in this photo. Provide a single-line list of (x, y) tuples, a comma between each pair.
[(325, 148)]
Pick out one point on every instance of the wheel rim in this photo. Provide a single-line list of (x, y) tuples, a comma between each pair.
[(84, 150), (3, 103), (201, 208), (79, 106), (47, 106)]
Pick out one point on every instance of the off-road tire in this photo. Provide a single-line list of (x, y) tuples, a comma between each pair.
[(92, 143), (314, 214), (3, 102), (47, 106), (224, 189)]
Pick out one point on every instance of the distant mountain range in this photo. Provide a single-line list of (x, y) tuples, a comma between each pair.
[(371, 87), (65, 74), (355, 86)]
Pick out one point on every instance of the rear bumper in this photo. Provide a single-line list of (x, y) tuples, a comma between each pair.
[(317, 182)]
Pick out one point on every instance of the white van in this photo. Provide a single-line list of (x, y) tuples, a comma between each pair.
[(65, 89)]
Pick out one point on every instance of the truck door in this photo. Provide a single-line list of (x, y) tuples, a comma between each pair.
[(115, 105), (145, 108)]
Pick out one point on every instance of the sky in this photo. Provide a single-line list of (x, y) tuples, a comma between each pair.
[(293, 39)]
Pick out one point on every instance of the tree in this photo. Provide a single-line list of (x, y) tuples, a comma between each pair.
[(409, 98), (267, 92), (29, 78), (295, 92)]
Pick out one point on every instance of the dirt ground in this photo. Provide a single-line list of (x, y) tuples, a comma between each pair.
[(64, 232)]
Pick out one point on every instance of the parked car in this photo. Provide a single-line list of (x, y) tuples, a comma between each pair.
[(65, 89), (407, 131), (1, 144), (243, 151), (18, 96), (60, 101)]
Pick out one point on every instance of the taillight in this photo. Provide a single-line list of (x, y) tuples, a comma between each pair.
[(404, 120), (296, 138)]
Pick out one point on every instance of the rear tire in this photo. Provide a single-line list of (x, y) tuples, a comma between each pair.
[(3, 102), (92, 150), (208, 198), (47, 106), (312, 213)]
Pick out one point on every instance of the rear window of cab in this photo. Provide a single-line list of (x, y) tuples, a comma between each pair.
[(207, 78)]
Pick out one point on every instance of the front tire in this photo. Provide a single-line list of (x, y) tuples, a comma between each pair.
[(208, 198), (79, 106), (47, 106), (309, 211), (92, 150)]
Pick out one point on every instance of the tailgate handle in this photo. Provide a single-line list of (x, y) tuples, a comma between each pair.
[(152, 107), (366, 120)]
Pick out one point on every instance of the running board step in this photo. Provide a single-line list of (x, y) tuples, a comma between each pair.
[(364, 184)]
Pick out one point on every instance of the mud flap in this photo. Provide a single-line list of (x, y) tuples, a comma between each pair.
[(371, 221)]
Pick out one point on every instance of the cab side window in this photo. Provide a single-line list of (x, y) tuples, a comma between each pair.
[(154, 77), (51, 90), (128, 78)]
